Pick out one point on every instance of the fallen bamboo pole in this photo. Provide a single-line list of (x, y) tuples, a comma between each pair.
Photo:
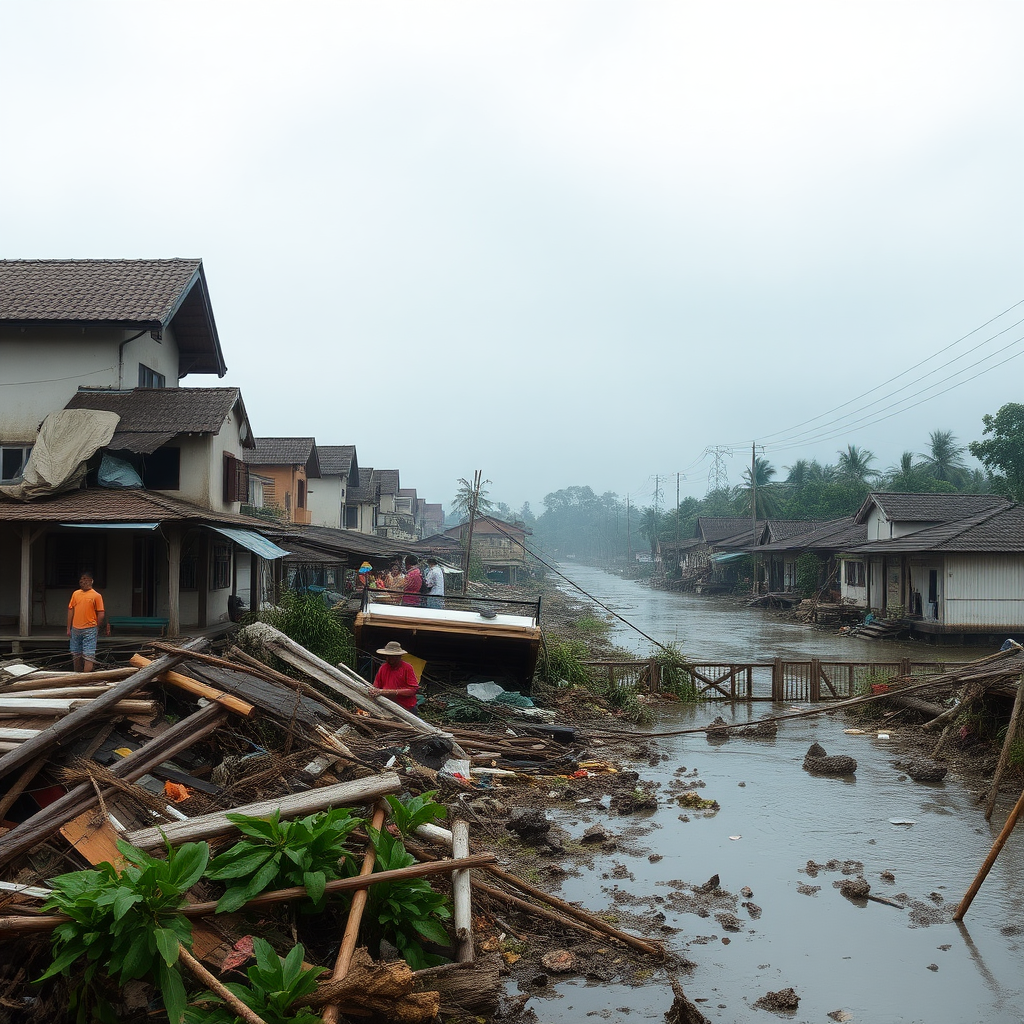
[(211, 826), (1012, 732), (16, 925), (67, 679), (990, 859), (51, 739), (198, 689), (214, 985), (355, 915)]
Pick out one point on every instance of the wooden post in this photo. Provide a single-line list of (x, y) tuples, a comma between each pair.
[(25, 605), (1012, 732), (173, 531), (778, 681), (990, 859), (750, 682), (461, 895), (814, 690), (355, 914)]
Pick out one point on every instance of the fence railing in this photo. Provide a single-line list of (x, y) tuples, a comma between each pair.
[(780, 680)]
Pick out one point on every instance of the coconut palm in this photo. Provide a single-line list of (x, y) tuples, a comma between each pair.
[(945, 458), (854, 465), (906, 475), (767, 492), (466, 497)]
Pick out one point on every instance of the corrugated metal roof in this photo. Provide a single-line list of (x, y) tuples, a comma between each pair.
[(252, 541)]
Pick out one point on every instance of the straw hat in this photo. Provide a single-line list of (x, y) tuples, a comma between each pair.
[(392, 647)]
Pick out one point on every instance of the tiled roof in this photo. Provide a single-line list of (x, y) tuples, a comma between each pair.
[(94, 290), (337, 460), (385, 481), (150, 417), (782, 529), (832, 535), (928, 508), (333, 543), (363, 491), (134, 505), (717, 528), (993, 530), (285, 451)]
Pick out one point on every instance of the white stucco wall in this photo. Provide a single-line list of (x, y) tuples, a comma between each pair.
[(324, 497), (49, 367)]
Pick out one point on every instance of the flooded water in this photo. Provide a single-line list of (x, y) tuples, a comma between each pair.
[(875, 962)]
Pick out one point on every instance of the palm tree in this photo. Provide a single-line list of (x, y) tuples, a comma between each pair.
[(945, 458), (907, 475), (465, 497), (819, 474), (797, 475), (650, 524), (854, 465), (767, 496)]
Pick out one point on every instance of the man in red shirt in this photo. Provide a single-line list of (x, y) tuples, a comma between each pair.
[(413, 582), (85, 616), (396, 679)]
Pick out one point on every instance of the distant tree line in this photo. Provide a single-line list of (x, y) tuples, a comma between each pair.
[(578, 523)]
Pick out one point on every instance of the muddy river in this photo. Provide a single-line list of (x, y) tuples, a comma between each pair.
[(859, 961)]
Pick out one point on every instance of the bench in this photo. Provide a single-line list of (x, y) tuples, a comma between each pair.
[(144, 622)]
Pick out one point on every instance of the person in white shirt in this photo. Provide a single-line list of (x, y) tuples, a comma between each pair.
[(435, 583)]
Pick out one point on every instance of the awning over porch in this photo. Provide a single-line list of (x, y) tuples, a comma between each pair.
[(251, 541)]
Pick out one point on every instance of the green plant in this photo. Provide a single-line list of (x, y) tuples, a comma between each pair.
[(274, 984), (276, 854), (126, 925), (808, 573), (674, 671), (403, 911), (407, 815), (562, 661), (309, 622)]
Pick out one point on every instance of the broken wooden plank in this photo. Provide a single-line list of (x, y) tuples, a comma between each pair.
[(53, 738), (198, 689), (210, 826)]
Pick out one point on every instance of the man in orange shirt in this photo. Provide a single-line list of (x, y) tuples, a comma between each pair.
[(85, 616)]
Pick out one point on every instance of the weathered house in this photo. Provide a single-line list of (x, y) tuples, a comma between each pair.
[(950, 565), (394, 510), (289, 464), (117, 324), (328, 496), (499, 545), (824, 540), (361, 503)]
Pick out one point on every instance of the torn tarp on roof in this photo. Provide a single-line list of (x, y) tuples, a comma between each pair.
[(252, 541)]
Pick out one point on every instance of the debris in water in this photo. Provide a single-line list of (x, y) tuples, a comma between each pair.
[(782, 1001), (902, 821), (855, 888)]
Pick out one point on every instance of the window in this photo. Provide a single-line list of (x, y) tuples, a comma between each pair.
[(300, 501), (236, 479), (161, 469), (68, 555), (854, 574), (351, 517), (12, 461), (220, 577), (150, 378)]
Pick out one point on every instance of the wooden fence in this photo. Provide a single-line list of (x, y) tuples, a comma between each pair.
[(779, 680)]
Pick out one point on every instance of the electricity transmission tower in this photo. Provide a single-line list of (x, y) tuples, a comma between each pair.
[(718, 476)]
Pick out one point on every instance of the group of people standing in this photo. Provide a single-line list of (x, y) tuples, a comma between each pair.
[(412, 587)]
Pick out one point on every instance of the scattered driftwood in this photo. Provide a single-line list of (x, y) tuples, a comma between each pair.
[(1013, 732)]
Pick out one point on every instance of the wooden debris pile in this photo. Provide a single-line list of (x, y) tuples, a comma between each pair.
[(170, 750)]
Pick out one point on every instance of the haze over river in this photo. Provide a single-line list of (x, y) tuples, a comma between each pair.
[(877, 963)]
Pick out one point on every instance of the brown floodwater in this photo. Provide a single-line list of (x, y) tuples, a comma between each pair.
[(874, 962)]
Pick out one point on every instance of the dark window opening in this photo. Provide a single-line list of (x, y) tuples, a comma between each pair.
[(150, 378), (161, 470), (12, 462), (301, 499), (933, 586), (854, 574), (220, 577), (351, 517), (68, 555), (188, 567)]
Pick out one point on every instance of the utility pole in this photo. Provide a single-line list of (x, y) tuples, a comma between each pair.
[(753, 509), (629, 549), (474, 499), (677, 518)]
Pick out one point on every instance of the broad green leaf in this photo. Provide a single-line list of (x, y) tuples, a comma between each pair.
[(315, 883), (225, 868), (167, 945), (172, 989)]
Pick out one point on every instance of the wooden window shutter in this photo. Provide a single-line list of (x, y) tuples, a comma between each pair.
[(236, 479)]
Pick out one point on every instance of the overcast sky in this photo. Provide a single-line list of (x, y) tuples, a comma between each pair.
[(564, 243)]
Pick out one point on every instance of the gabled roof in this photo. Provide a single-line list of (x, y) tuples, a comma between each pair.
[(385, 481), (339, 460), (993, 530), (832, 535), (131, 294), (716, 528), (782, 529), (362, 492), (150, 417), (285, 451), (927, 508)]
